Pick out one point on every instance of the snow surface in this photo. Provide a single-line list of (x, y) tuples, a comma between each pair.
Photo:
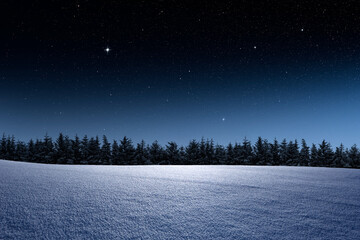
[(177, 202)]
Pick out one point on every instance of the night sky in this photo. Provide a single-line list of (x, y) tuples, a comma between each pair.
[(178, 70)]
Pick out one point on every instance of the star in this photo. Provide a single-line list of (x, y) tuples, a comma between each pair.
[(107, 49), (254, 47), (223, 119)]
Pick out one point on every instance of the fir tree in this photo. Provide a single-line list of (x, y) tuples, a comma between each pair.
[(156, 153), (210, 151), (182, 153), (192, 153), (20, 152), (283, 152), (76, 149), (60, 149), (105, 152), (115, 153), (10, 148), (142, 154), (261, 152), (275, 153), (304, 157), (127, 152), (84, 150), (39, 151), (94, 150), (31, 151), (292, 154), (340, 157), (237, 154), (3, 149), (354, 158), (172, 153), (247, 152), (202, 152), (220, 155), (48, 150), (325, 154), (230, 154), (314, 156), (69, 153)]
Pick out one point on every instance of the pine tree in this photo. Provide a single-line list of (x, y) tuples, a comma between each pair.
[(60, 149), (202, 152), (192, 152), (142, 154), (267, 156), (115, 153), (275, 153), (172, 153), (3, 149), (10, 148), (304, 157), (94, 150), (48, 150), (84, 150), (182, 155), (354, 157), (314, 156), (230, 155), (105, 152), (325, 154), (156, 153), (76, 149), (237, 154), (210, 151), (261, 152), (127, 152), (292, 154), (284, 152), (20, 152), (220, 155), (39, 151), (31, 151), (69, 154), (247, 152), (340, 158)]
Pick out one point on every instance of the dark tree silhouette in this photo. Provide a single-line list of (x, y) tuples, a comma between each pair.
[(142, 154), (105, 152), (156, 153), (126, 152), (90, 151), (173, 153), (304, 156)]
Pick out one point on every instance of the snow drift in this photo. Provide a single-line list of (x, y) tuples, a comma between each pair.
[(177, 202)]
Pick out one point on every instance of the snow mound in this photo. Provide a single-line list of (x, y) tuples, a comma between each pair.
[(177, 202)]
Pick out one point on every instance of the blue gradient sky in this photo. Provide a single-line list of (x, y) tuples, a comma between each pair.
[(222, 70)]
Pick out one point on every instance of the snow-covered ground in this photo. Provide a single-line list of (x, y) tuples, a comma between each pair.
[(177, 202)]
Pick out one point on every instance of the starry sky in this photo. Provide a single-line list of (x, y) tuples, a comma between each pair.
[(181, 70)]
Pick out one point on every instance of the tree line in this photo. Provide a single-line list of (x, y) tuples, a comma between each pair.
[(205, 152)]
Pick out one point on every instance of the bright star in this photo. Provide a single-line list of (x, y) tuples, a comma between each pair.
[(223, 119), (107, 50)]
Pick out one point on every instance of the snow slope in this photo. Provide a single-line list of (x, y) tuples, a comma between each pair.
[(177, 202)]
